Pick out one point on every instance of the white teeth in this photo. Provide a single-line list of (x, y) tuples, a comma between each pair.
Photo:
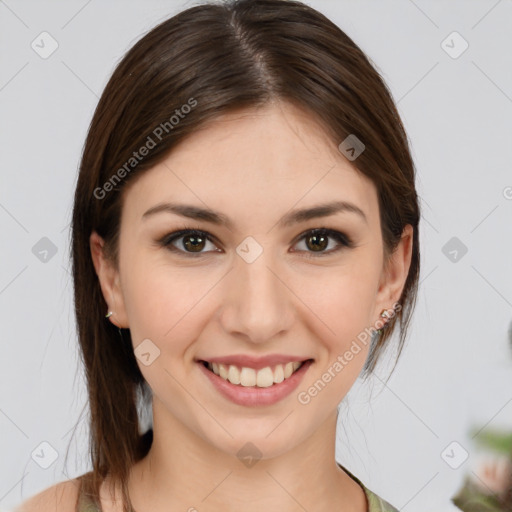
[(279, 374), (223, 371), (248, 377), (265, 378), (233, 375)]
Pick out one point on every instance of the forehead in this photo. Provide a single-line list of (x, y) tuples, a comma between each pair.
[(263, 161)]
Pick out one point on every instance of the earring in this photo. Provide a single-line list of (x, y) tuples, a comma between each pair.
[(109, 314), (383, 314)]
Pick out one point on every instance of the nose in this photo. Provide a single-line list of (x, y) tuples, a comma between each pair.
[(257, 303)]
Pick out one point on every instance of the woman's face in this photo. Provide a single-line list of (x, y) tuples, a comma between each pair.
[(258, 286)]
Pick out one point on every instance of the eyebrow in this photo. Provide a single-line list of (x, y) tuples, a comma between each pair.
[(291, 218)]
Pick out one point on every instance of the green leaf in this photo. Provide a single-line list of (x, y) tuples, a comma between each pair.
[(499, 441)]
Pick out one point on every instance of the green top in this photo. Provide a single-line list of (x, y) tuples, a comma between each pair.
[(375, 503)]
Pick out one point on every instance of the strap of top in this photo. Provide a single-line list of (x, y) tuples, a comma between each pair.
[(85, 504)]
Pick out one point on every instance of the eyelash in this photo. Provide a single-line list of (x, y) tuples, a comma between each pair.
[(341, 238)]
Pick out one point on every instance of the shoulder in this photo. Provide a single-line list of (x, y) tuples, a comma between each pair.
[(61, 497)]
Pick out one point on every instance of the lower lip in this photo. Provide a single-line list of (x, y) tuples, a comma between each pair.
[(252, 395)]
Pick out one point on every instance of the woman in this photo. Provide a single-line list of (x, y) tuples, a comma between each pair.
[(246, 219)]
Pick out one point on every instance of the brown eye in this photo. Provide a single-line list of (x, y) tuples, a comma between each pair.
[(317, 240), (193, 242)]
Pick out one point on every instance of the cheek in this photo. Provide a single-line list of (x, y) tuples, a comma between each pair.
[(163, 305), (343, 304), (162, 301), (343, 298), (344, 301)]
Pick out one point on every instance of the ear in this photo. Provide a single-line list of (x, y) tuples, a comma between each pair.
[(395, 273), (109, 281)]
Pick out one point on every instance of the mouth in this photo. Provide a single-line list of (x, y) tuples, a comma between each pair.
[(251, 387), (251, 377)]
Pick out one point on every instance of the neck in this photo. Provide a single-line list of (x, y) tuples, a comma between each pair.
[(184, 472)]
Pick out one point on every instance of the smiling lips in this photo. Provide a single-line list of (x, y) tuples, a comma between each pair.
[(263, 378), (269, 381), (249, 371)]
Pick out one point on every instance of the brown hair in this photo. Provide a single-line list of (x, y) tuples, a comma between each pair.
[(218, 58)]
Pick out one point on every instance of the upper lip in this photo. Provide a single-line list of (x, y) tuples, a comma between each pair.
[(255, 362)]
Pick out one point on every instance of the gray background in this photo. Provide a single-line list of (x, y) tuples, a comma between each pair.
[(456, 370)]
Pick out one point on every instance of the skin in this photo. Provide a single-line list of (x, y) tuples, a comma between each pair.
[(254, 167)]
